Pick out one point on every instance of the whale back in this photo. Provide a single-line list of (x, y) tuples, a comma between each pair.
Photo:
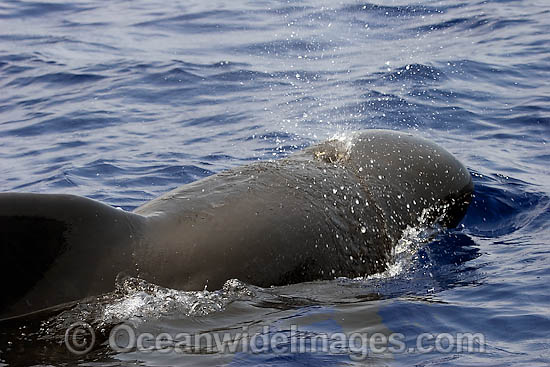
[(335, 209), (53, 247)]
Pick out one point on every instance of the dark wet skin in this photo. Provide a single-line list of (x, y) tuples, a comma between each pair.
[(334, 209)]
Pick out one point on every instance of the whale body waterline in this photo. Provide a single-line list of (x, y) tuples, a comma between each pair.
[(334, 209)]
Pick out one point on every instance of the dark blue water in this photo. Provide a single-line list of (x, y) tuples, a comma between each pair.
[(121, 101)]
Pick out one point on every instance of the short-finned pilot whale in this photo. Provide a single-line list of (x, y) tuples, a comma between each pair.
[(334, 209)]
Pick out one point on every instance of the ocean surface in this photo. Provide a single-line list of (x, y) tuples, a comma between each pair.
[(121, 101)]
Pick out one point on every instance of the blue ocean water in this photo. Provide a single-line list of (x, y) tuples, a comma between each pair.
[(122, 101)]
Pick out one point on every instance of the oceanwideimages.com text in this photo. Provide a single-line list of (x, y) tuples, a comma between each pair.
[(80, 339)]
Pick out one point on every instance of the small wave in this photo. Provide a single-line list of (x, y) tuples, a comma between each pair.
[(39, 9), (62, 78), (502, 205), (286, 47), (80, 121), (199, 22), (175, 75), (14, 69), (215, 120), (414, 73), (445, 25), (392, 11), (223, 14), (466, 69), (240, 75), (478, 22)]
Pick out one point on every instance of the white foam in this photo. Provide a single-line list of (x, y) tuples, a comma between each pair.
[(412, 239), (143, 300)]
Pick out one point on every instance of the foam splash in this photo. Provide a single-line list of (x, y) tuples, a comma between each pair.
[(136, 301), (412, 240), (344, 137), (144, 300)]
